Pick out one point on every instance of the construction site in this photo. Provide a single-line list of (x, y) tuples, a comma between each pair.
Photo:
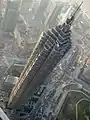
[(44, 60)]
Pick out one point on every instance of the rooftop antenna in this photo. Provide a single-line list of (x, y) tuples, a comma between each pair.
[(70, 20)]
